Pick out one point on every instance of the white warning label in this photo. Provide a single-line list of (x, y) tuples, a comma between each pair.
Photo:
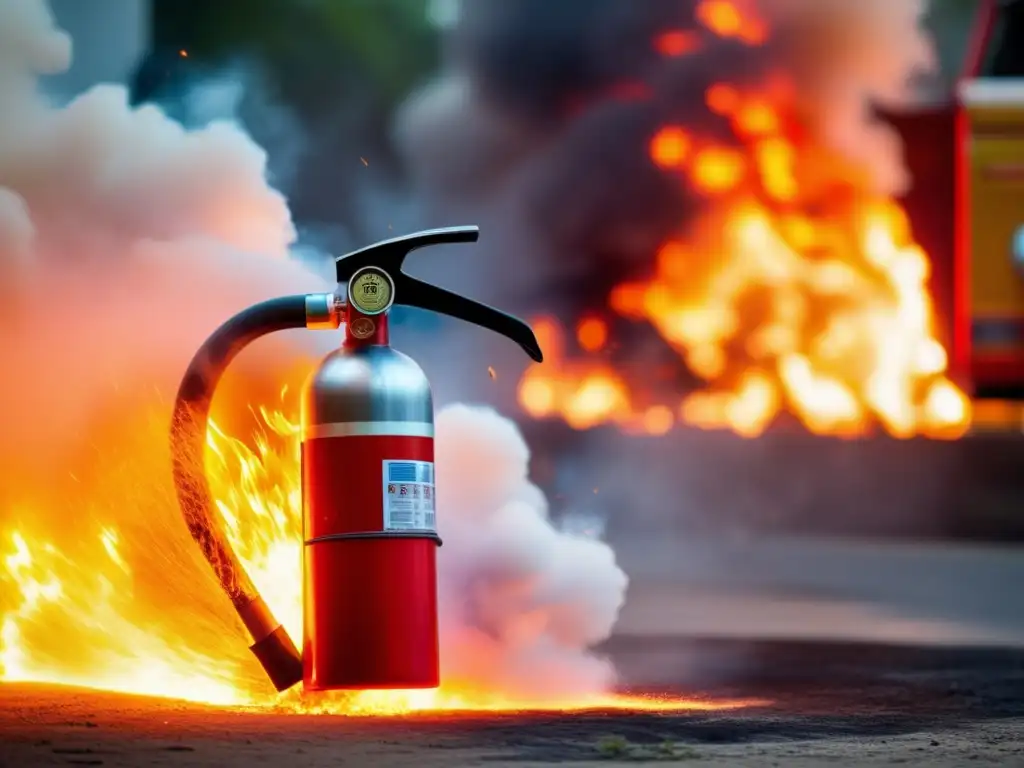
[(409, 496)]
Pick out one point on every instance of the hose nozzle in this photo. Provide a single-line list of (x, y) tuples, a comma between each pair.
[(324, 311), (279, 658), (272, 646)]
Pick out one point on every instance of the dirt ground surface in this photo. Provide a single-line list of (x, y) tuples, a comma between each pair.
[(828, 704)]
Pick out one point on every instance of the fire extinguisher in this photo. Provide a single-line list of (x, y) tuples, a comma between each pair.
[(370, 539)]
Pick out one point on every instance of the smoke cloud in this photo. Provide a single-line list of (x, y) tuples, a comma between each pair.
[(521, 601), (125, 239), (540, 124), (539, 129)]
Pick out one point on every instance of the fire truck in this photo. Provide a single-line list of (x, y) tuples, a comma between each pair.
[(979, 268)]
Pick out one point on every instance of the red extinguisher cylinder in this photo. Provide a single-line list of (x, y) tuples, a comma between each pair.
[(369, 560), (370, 635)]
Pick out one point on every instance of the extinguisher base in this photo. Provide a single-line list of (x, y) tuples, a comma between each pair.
[(279, 658)]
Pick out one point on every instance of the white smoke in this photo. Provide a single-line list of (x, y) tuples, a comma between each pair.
[(850, 57), (521, 601), (125, 239)]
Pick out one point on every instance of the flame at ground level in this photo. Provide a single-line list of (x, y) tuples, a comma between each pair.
[(104, 589)]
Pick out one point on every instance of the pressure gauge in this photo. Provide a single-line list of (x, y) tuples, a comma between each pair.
[(371, 291)]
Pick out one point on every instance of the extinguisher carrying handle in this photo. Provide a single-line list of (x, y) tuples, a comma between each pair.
[(390, 255)]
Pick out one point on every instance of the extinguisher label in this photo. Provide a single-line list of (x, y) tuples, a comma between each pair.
[(409, 496)]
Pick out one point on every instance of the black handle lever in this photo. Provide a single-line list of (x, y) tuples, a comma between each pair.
[(390, 255)]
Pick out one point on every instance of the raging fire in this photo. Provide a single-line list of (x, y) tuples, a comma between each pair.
[(130, 606), (797, 289)]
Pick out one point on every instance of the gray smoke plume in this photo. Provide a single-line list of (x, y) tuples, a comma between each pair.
[(541, 121), (238, 93)]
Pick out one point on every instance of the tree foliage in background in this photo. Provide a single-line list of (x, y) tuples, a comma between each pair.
[(340, 66), (314, 49)]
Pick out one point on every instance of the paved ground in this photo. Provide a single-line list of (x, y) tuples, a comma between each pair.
[(830, 704), (869, 655), (787, 482), (804, 588)]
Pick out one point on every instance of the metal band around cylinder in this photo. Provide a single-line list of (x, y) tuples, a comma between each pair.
[(432, 535), (368, 429)]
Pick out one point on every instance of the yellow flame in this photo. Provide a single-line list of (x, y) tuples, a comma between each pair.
[(133, 608), (788, 294)]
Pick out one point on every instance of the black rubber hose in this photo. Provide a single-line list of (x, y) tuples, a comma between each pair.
[(271, 644)]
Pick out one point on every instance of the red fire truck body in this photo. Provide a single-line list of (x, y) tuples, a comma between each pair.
[(984, 264)]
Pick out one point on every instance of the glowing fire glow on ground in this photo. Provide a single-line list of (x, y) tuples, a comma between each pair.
[(796, 291), (83, 618)]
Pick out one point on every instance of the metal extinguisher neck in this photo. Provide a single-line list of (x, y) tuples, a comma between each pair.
[(369, 293), (365, 330)]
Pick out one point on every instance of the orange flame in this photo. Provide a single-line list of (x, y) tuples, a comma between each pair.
[(132, 607), (790, 293)]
